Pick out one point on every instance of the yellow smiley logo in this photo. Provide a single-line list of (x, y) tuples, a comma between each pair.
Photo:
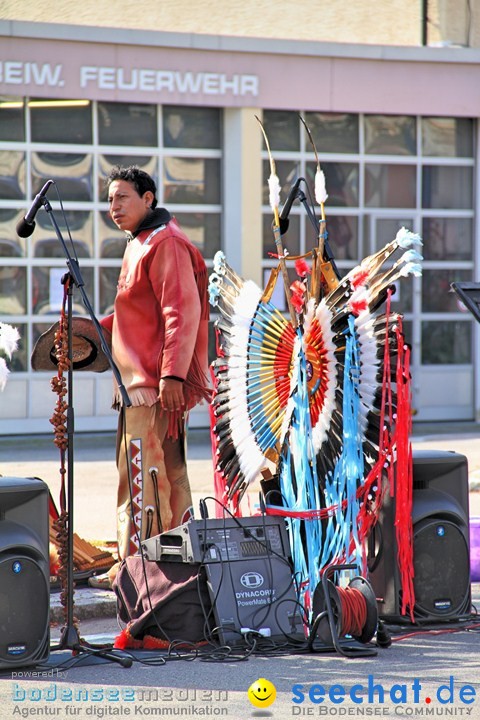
[(262, 693)]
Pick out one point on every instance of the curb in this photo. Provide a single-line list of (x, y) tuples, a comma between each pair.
[(88, 603)]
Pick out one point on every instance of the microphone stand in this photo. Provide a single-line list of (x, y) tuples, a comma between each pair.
[(70, 638), (328, 255)]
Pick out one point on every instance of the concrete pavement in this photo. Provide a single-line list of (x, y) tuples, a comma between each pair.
[(440, 666), (95, 481)]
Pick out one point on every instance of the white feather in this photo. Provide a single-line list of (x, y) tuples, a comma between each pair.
[(405, 238), (274, 189), (219, 263), (4, 373), (9, 337), (411, 268), (320, 189)]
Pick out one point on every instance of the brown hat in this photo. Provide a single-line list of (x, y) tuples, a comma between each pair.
[(87, 351)]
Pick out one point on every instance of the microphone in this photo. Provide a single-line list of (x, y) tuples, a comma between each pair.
[(26, 226), (288, 205)]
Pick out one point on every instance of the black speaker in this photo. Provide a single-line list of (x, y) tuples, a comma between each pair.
[(441, 549), (24, 572)]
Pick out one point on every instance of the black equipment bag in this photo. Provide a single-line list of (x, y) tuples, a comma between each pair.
[(166, 600)]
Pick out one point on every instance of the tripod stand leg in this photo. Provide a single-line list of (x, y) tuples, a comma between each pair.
[(105, 653), (70, 638)]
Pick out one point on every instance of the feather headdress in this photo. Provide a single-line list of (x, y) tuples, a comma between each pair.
[(324, 398), (9, 337)]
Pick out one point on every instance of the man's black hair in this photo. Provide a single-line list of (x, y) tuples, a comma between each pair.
[(139, 179)]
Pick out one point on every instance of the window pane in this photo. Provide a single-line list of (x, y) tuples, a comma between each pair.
[(402, 297), (13, 290), (390, 135), (112, 241), (389, 185), (333, 132), (287, 172), (290, 240), (10, 244), (191, 127), (407, 328), (446, 343), (46, 243), (386, 230), (127, 124), (12, 118), (437, 295), (447, 187), (191, 180), (61, 121), (447, 137), (107, 162), (341, 181), (72, 174), (12, 175), (342, 237), (47, 290), (108, 288), (279, 298), (447, 238), (282, 130), (38, 329), (203, 230)]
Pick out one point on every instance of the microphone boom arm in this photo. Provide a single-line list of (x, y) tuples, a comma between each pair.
[(296, 193)]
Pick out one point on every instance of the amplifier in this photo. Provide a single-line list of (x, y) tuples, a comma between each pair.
[(249, 573), (220, 540)]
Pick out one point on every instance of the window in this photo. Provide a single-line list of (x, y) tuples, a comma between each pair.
[(401, 171), (61, 121), (390, 186), (447, 137), (390, 135), (186, 166), (187, 127), (334, 132), (126, 124), (12, 119), (12, 175)]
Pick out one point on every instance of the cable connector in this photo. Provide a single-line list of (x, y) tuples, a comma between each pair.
[(262, 632)]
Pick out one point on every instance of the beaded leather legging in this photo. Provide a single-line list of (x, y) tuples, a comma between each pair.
[(160, 497)]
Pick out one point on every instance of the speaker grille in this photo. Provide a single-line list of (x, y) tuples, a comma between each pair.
[(24, 609), (441, 566)]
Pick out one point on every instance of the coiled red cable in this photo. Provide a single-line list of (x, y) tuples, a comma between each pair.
[(354, 611)]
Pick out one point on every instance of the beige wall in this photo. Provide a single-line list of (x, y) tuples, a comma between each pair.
[(384, 22)]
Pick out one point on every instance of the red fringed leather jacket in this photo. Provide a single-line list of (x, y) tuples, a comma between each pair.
[(159, 325)]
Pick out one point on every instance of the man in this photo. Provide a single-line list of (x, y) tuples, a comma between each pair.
[(159, 333)]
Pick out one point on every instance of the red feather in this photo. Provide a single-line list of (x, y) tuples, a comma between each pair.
[(302, 268), (358, 306), (297, 302), (359, 278), (297, 287)]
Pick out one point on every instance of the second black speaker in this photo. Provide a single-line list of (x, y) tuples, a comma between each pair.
[(441, 551)]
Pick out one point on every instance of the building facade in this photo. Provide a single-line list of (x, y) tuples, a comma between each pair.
[(396, 129)]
